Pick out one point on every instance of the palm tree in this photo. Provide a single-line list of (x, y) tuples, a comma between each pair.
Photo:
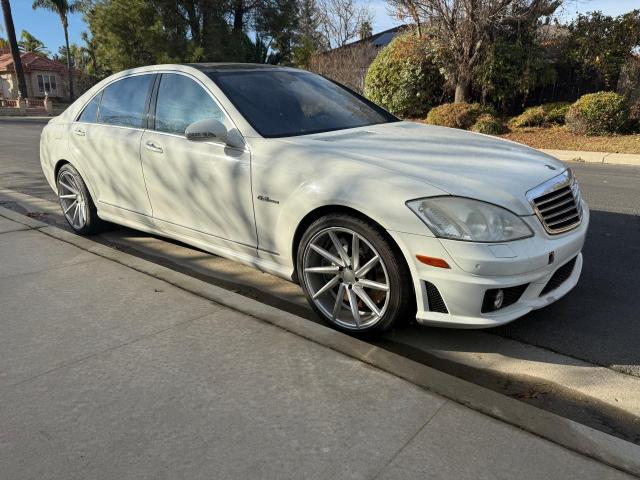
[(13, 44), (63, 8), (29, 43)]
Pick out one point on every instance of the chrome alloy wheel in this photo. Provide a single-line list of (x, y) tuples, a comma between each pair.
[(346, 278), (72, 201)]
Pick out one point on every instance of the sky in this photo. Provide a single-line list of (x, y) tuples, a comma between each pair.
[(46, 26)]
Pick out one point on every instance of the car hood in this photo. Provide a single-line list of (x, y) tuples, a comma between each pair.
[(454, 161)]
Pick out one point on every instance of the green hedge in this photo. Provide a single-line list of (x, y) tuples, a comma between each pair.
[(601, 113), (403, 78)]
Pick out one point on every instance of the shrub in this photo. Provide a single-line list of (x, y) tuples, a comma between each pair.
[(403, 78), (542, 115), (489, 125), (531, 117), (599, 113), (455, 115), (556, 112)]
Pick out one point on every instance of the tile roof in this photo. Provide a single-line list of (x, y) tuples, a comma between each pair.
[(32, 62)]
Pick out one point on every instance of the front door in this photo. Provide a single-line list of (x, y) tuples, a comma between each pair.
[(204, 187)]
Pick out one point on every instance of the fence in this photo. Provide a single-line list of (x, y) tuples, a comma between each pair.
[(24, 106)]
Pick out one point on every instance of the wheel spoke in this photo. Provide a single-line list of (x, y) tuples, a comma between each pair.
[(323, 269), (71, 189), (367, 300), (339, 248), (353, 302), (68, 196), (75, 213), (330, 284), (329, 256), (338, 303), (81, 218), (361, 272), (73, 204), (355, 252), (363, 282)]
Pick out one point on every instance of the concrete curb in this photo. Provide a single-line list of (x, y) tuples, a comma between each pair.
[(595, 157), (574, 436)]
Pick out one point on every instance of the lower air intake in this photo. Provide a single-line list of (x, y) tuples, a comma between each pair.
[(559, 277), (436, 303)]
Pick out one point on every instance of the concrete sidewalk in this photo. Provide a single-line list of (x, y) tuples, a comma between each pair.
[(108, 372), (595, 157)]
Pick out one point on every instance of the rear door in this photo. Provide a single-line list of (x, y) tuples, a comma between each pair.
[(204, 187), (105, 141)]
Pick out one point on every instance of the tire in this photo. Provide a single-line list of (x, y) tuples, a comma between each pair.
[(76, 202), (334, 282)]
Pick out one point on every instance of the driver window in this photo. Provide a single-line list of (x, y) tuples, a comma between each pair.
[(181, 101)]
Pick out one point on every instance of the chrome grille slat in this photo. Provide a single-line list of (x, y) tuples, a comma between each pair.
[(561, 212), (568, 200), (564, 220), (554, 198), (557, 203)]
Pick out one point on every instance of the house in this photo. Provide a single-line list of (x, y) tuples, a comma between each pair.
[(349, 63), (42, 75)]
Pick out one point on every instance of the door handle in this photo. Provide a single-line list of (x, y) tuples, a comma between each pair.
[(149, 145), (79, 131)]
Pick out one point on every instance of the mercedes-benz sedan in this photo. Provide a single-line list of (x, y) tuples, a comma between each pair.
[(378, 219)]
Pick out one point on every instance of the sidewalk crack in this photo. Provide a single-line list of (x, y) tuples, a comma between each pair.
[(405, 444)]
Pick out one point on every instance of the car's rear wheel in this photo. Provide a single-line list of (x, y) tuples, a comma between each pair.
[(76, 203), (352, 276)]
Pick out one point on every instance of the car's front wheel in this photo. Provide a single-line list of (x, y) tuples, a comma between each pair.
[(352, 275)]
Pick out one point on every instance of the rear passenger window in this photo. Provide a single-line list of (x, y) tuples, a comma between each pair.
[(90, 112), (123, 102), (181, 101)]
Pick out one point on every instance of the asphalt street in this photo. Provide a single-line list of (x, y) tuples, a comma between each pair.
[(598, 322)]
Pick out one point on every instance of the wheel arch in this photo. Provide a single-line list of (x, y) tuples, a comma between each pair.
[(321, 211), (59, 164), (62, 162)]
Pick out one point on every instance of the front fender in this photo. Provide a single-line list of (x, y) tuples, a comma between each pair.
[(382, 199)]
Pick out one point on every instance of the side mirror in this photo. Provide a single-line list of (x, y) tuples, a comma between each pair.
[(207, 130), (212, 130)]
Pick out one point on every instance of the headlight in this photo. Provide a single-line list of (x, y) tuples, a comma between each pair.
[(472, 220)]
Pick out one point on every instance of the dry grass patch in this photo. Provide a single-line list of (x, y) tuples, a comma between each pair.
[(559, 138)]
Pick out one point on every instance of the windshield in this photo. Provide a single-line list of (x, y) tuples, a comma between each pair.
[(284, 103)]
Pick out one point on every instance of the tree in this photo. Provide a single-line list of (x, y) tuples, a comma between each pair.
[(63, 8), (126, 34), (599, 45), (341, 20), (407, 10), (308, 38), (13, 44), (515, 65), (464, 31), (29, 43), (366, 30), (277, 20)]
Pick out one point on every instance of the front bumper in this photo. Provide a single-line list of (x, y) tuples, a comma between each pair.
[(477, 267)]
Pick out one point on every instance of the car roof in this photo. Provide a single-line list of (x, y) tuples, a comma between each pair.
[(217, 67)]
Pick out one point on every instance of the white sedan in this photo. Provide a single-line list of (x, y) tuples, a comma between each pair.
[(379, 220)]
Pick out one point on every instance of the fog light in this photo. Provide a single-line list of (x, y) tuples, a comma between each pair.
[(498, 299)]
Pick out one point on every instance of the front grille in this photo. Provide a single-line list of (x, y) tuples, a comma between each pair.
[(559, 277), (511, 296), (557, 203), (436, 303)]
